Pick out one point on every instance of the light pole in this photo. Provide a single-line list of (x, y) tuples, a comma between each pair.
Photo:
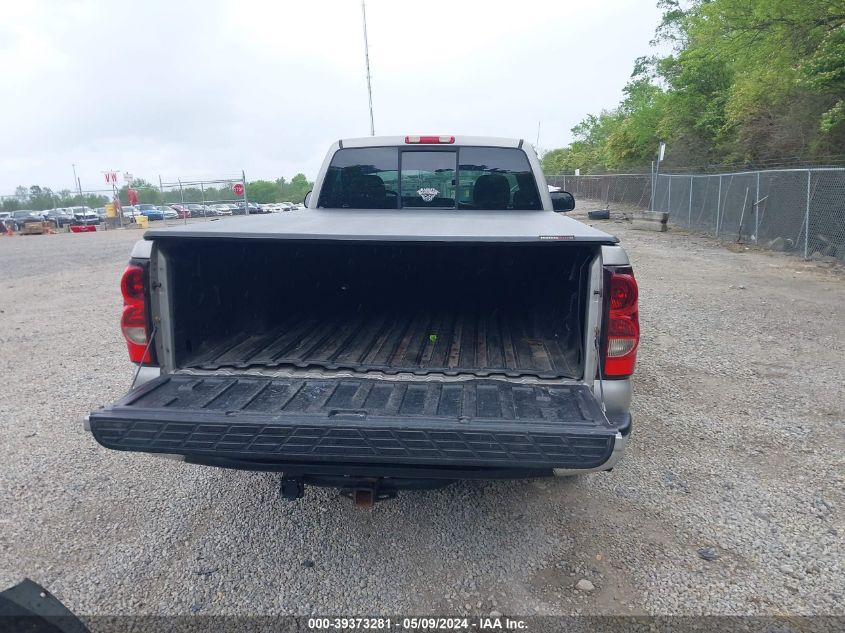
[(367, 62), (78, 185)]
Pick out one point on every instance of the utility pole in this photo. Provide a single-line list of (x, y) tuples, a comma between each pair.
[(367, 62), (78, 185)]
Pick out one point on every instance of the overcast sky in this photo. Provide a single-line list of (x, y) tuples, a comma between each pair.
[(205, 89)]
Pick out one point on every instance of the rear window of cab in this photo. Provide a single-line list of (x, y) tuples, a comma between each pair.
[(483, 178)]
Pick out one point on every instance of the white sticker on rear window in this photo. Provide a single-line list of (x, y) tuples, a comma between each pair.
[(427, 193)]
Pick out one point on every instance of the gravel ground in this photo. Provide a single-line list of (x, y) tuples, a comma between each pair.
[(737, 447)]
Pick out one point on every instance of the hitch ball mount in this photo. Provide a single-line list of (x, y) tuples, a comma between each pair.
[(363, 492)]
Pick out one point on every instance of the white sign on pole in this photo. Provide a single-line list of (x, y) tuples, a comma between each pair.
[(662, 151), (127, 178), (111, 177), (577, 172)]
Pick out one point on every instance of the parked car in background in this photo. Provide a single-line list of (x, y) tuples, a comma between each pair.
[(222, 209), (21, 216), (150, 211), (182, 211), (168, 213), (197, 210), (129, 212), (84, 210), (252, 209), (101, 213), (85, 216), (7, 222), (286, 206), (59, 218)]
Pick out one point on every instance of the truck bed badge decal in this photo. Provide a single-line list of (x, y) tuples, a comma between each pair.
[(427, 193)]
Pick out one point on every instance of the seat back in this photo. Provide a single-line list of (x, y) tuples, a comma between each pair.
[(491, 191)]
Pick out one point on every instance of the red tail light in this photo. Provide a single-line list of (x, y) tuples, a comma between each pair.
[(429, 140), (623, 328), (133, 321)]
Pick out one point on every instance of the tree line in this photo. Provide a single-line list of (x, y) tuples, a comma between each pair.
[(746, 84), (39, 198)]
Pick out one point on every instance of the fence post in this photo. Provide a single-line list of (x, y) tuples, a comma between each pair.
[(669, 197), (807, 219), (689, 220), (651, 198), (202, 196), (719, 206), (564, 183), (757, 212), (182, 198)]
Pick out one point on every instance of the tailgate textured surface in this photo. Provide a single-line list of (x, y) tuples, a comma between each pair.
[(360, 420)]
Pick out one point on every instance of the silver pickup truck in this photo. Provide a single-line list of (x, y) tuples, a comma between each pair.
[(430, 316)]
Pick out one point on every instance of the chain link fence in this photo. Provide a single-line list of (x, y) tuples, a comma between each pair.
[(793, 210), (205, 198)]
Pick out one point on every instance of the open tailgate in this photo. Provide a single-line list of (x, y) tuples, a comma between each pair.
[(361, 420)]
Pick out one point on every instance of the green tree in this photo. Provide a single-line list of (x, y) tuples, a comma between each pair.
[(262, 191), (297, 188), (147, 192), (745, 81)]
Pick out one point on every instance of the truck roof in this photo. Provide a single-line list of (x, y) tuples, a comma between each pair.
[(394, 225), (380, 141)]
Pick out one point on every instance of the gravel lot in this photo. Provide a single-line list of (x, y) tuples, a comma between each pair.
[(737, 446)]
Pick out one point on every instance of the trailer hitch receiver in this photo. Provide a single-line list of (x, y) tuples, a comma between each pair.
[(364, 493), (292, 488)]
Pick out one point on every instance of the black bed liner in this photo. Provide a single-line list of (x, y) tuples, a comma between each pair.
[(482, 423), (471, 309), (474, 341)]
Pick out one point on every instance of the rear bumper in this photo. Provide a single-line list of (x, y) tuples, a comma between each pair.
[(400, 472), (619, 446), (291, 442)]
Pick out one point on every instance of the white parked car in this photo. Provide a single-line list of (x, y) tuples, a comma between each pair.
[(222, 209), (85, 215)]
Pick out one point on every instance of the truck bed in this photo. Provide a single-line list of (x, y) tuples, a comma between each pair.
[(451, 341), (479, 309)]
